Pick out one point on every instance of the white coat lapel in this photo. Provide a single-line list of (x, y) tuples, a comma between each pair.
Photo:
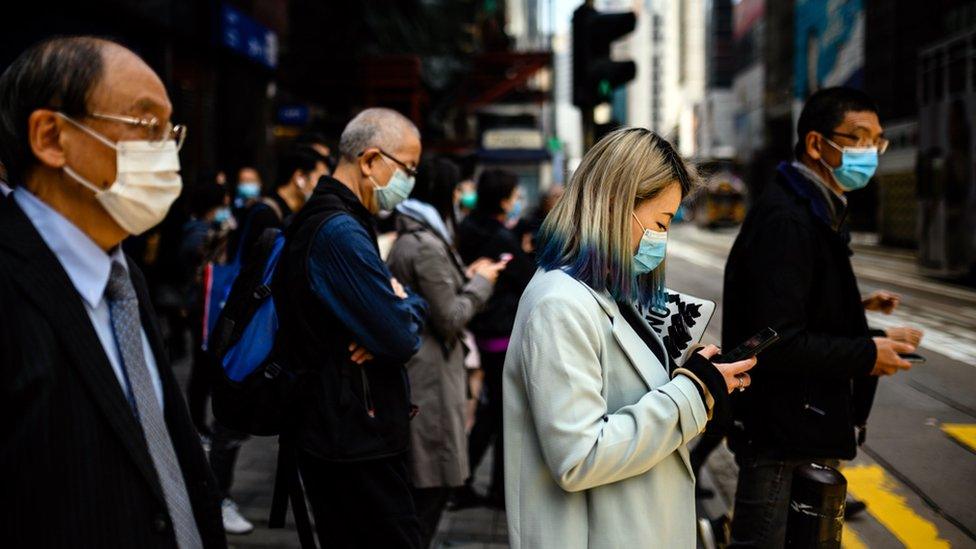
[(632, 345)]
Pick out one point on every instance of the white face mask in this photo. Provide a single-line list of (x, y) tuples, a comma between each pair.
[(147, 181)]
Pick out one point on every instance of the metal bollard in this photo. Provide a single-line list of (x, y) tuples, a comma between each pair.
[(816, 516)]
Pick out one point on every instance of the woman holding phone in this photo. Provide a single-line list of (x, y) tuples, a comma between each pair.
[(597, 418)]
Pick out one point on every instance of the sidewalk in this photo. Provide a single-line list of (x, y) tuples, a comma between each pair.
[(478, 528)]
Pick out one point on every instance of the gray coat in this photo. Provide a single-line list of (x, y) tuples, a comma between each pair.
[(425, 262)]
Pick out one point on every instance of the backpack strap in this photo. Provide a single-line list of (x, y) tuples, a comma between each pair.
[(288, 485), (275, 207)]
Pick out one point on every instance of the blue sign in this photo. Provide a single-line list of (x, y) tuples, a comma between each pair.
[(293, 115), (828, 45), (247, 37)]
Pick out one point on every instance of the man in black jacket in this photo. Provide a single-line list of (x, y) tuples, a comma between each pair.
[(790, 270), (97, 443), (347, 330)]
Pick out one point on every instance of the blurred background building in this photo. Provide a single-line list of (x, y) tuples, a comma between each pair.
[(490, 82)]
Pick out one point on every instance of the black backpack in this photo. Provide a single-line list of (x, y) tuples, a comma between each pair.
[(250, 383)]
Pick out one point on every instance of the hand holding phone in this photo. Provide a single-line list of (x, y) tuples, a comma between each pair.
[(750, 348), (914, 358)]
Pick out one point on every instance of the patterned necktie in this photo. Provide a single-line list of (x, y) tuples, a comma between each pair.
[(127, 326)]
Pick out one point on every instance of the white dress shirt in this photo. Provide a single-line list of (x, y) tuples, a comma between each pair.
[(88, 268)]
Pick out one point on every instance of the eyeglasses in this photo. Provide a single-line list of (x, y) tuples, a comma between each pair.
[(157, 132), (412, 172), (862, 142)]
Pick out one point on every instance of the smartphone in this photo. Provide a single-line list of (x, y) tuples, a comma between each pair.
[(505, 257), (914, 358), (750, 348)]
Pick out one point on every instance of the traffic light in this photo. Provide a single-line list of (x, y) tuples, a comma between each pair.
[(595, 75)]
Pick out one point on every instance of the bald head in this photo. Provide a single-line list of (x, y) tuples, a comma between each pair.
[(375, 144), (382, 128)]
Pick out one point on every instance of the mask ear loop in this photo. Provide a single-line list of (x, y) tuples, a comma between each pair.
[(639, 224)]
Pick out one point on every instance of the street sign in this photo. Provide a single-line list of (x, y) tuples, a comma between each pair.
[(244, 35)]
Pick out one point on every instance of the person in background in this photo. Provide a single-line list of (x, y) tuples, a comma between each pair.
[(485, 234), (347, 328), (318, 143), (423, 257), (790, 270), (98, 445), (597, 417), (467, 198), (248, 188), (299, 169), (204, 239), (528, 227)]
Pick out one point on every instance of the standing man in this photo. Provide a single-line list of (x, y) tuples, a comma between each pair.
[(299, 169), (790, 269), (347, 329), (97, 441)]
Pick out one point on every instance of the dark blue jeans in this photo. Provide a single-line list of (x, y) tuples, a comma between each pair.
[(762, 500)]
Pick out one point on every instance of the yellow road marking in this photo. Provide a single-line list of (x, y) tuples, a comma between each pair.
[(964, 433), (850, 540), (870, 484)]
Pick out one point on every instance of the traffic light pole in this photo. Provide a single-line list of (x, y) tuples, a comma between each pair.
[(586, 113), (589, 128)]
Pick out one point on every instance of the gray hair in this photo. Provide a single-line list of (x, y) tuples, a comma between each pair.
[(375, 127)]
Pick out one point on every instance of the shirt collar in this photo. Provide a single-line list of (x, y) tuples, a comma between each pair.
[(835, 201), (88, 266)]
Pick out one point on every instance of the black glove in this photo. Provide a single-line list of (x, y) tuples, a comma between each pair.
[(715, 382)]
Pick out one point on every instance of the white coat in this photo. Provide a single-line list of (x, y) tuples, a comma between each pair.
[(596, 431)]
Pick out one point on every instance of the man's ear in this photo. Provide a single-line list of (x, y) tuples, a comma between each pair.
[(366, 161), (44, 137), (813, 143)]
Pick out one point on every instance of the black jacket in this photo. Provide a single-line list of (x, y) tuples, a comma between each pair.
[(78, 473), (333, 394), (481, 236), (789, 270)]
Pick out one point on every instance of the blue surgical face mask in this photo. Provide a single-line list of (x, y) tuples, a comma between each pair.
[(651, 250), (221, 215), (248, 189), (516, 211), (857, 165), (396, 190)]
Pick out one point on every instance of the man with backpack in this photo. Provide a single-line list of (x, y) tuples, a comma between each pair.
[(299, 169), (346, 329)]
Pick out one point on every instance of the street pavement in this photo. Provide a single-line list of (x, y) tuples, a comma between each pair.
[(917, 471)]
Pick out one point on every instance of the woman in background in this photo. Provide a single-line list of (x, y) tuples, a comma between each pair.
[(486, 233), (423, 257)]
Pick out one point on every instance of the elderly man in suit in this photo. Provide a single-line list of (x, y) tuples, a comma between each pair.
[(97, 442)]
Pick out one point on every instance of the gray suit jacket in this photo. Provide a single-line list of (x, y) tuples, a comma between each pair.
[(595, 430)]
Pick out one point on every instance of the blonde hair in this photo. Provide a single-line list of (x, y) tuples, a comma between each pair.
[(588, 233)]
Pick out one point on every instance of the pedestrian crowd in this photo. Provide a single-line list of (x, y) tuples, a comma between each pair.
[(484, 326)]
